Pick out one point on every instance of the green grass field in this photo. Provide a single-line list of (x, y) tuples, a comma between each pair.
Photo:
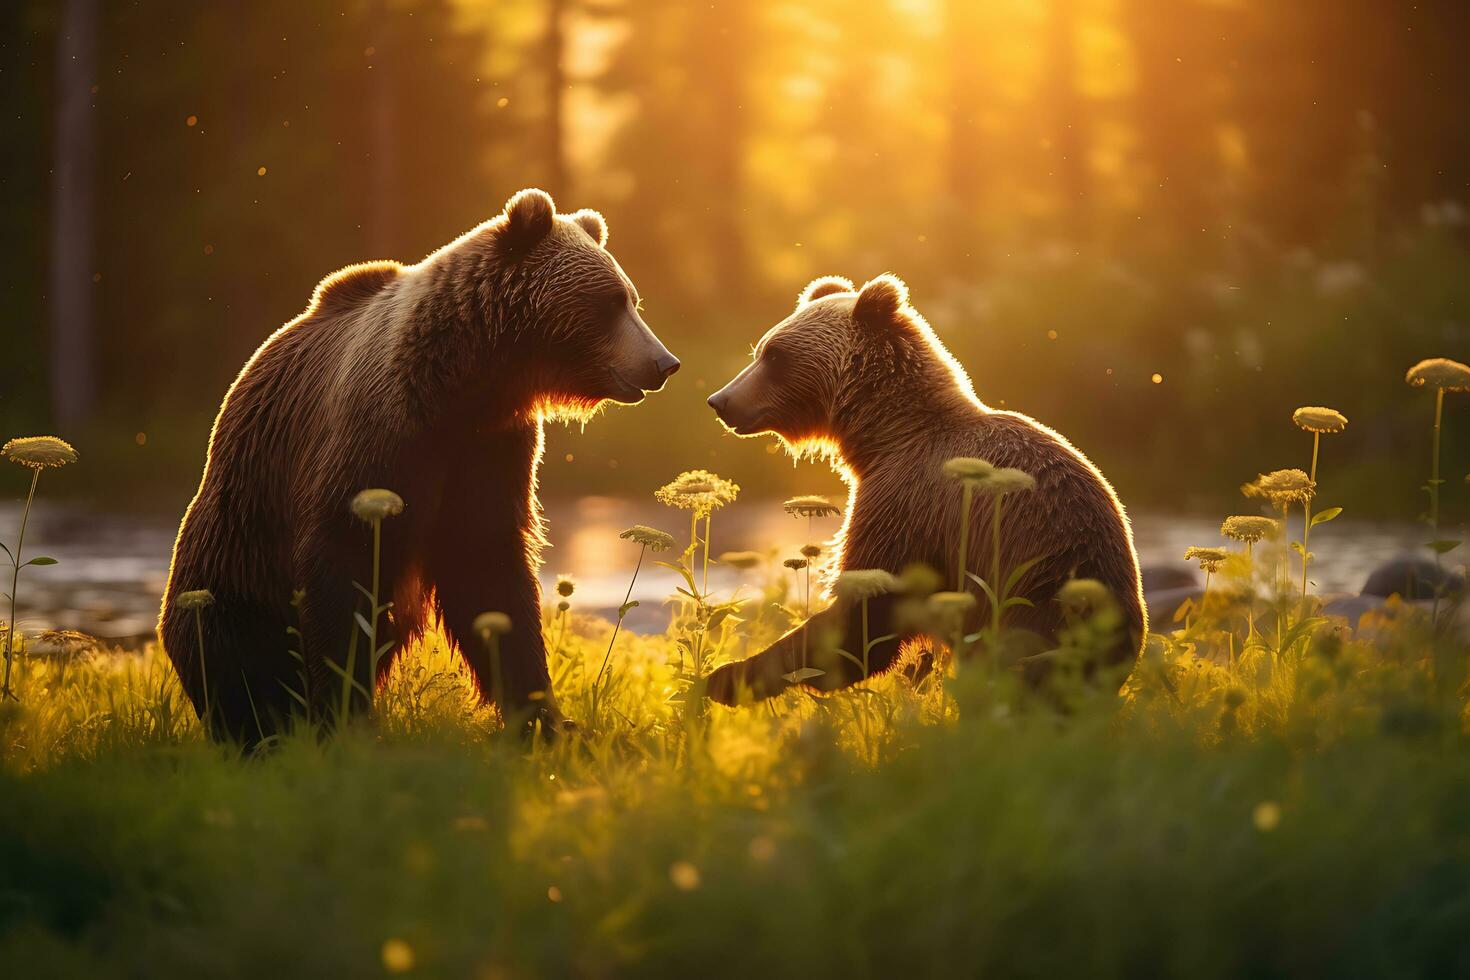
[(1268, 792), (1301, 815)]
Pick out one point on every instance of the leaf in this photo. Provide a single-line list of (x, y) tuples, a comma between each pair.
[(342, 673), (365, 593), (41, 560), (1017, 572), (688, 575), (857, 661), (362, 624), (686, 592), (7, 552), (295, 695), (989, 593), (802, 674), (1325, 516), (623, 609), (1442, 546), (881, 639), (718, 618), (1017, 600)]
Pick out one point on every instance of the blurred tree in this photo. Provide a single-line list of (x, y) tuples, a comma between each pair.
[(1176, 108), (73, 193), (965, 92), (552, 60), (1068, 114)]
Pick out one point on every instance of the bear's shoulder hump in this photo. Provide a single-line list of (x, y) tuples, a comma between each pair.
[(349, 288)]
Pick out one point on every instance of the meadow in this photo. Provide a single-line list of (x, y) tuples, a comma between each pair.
[(1268, 791)]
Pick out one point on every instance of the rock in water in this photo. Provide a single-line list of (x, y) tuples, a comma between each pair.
[(1412, 577)]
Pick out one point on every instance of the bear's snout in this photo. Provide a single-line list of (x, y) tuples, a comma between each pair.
[(667, 365)]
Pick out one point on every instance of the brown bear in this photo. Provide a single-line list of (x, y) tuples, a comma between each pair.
[(431, 380), (860, 378)]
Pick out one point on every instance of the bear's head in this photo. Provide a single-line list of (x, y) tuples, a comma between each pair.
[(566, 288), (842, 353)]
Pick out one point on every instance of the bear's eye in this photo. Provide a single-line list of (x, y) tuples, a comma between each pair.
[(773, 355), (615, 302)]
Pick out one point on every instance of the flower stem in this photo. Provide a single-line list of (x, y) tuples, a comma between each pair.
[(25, 515), (995, 566), (1433, 502), (966, 496), (709, 520), (597, 686), (203, 668), (1307, 517)]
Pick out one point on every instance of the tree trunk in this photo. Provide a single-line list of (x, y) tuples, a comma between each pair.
[(1069, 119), (723, 61), (384, 181), (73, 385), (556, 84)]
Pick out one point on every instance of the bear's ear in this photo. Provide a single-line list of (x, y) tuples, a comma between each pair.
[(528, 216), (823, 286), (879, 302), (592, 223)]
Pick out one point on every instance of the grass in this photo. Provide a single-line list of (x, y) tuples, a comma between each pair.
[(962, 825), (1283, 800)]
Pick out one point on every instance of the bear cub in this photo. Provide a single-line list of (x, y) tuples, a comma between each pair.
[(858, 376)]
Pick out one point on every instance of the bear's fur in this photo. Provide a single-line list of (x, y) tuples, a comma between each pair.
[(859, 377), (431, 380)]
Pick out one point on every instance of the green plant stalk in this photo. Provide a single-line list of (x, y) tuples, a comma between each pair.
[(25, 515), (1433, 501), (373, 623), (995, 567), (497, 679), (203, 668), (1250, 609), (865, 638), (1307, 517), (1434, 463), (709, 520), (967, 495), (597, 687)]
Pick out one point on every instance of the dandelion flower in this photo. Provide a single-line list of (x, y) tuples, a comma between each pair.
[(565, 586), (968, 468), (563, 606), (1281, 487), (810, 550), (684, 875), (741, 559), (1209, 558), (1440, 372), (1248, 528), (1314, 418), (492, 624), (796, 564), (811, 505), (195, 599), (1008, 480), (698, 490), (1084, 595), (650, 537), (919, 579), (861, 584), (951, 603), (371, 506), (397, 956), (39, 452), (1234, 696), (1266, 816)]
